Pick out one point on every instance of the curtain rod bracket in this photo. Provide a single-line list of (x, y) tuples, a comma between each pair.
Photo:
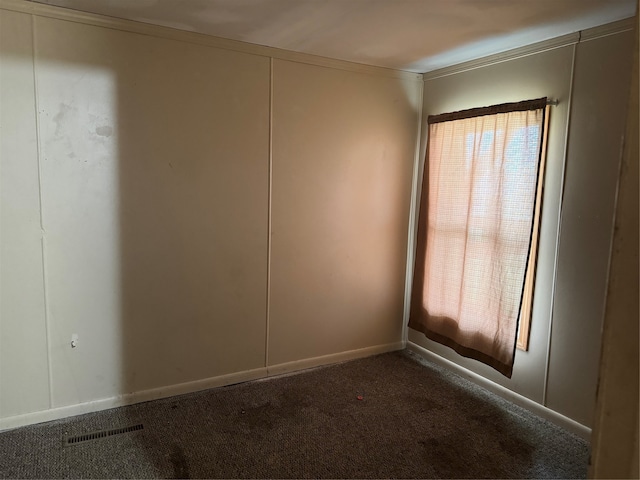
[(553, 102)]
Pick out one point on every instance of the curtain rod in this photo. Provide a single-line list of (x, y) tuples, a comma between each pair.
[(522, 106), (553, 102)]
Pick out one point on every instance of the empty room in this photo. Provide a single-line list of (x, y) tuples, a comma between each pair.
[(319, 239)]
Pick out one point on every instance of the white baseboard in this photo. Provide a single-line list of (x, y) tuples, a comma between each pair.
[(333, 358), (130, 398), (540, 410), (189, 387)]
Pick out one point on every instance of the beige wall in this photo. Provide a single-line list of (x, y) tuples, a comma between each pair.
[(340, 210), (560, 374), (154, 186), (614, 451), (520, 79), (24, 376), (201, 215), (149, 161), (601, 85)]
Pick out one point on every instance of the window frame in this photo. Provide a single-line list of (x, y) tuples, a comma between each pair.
[(526, 306)]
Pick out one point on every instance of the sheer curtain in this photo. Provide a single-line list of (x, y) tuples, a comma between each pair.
[(475, 228)]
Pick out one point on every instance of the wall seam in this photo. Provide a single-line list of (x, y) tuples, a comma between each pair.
[(559, 224), (40, 204), (269, 203), (413, 214)]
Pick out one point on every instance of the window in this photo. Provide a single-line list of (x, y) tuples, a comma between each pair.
[(477, 232)]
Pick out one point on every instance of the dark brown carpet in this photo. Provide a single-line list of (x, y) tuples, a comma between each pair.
[(414, 420)]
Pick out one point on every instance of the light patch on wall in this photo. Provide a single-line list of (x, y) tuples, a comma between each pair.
[(79, 157), (412, 92)]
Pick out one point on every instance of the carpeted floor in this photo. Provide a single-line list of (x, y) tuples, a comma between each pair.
[(414, 420)]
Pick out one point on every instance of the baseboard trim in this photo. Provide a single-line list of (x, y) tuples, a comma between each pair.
[(303, 364), (130, 398), (540, 410), (189, 387)]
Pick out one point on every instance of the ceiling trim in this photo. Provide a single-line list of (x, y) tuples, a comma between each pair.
[(608, 29), (539, 47), (51, 11), (525, 51)]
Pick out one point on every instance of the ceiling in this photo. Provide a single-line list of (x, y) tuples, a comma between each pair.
[(414, 35)]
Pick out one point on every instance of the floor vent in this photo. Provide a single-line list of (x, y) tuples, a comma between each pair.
[(100, 434)]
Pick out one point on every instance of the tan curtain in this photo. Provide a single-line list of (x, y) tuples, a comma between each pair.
[(475, 228)]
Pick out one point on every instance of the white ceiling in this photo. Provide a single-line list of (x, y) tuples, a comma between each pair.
[(415, 35)]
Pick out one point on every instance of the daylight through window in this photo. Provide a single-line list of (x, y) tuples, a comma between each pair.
[(477, 234)]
